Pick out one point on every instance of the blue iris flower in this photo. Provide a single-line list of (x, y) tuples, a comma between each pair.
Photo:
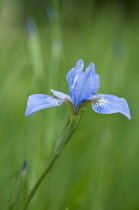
[(83, 88)]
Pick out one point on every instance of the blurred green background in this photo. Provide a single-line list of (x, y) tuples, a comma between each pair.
[(40, 41)]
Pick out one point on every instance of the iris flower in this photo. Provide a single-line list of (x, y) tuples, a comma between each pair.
[(83, 88)]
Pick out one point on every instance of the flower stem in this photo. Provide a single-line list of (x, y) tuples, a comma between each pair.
[(62, 142), (34, 189)]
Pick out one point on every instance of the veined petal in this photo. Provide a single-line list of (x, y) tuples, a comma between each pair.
[(74, 74), (37, 102), (61, 95), (109, 104), (95, 81), (86, 85)]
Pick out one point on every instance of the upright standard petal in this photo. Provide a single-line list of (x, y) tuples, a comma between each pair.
[(37, 102), (86, 85), (74, 74), (109, 104), (61, 95)]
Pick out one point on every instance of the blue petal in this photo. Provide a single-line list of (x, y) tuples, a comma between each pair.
[(87, 84), (109, 104), (61, 95), (37, 102), (95, 78), (74, 73)]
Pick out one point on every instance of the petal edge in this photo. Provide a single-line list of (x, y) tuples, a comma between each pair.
[(61, 95), (109, 104), (37, 102)]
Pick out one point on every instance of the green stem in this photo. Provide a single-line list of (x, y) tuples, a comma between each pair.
[(34, 189), (68, 132), (62, 142)]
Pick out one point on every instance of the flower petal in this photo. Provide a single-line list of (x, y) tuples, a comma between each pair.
[(95, 78), (87, 84), (74, 73), (37, 102), (109, 104), (61, 95)]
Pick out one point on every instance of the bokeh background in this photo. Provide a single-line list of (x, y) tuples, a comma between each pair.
[(40, 41)]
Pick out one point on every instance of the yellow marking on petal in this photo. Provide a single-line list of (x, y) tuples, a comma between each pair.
[(95, 101)]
